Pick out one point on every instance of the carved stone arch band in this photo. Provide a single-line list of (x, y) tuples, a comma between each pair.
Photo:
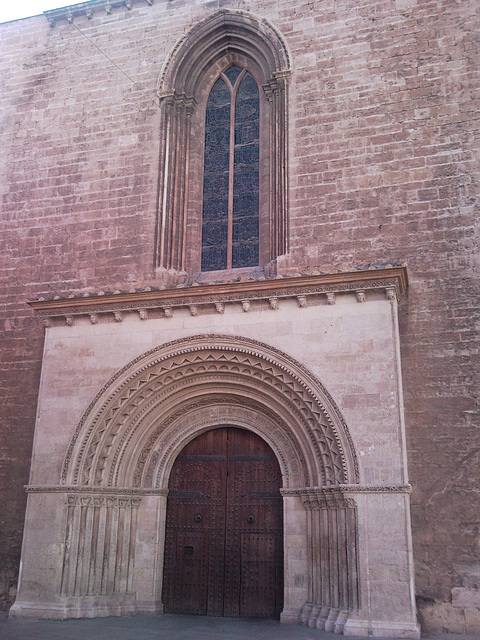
[(154, 464), (227, 37), (164, 397)]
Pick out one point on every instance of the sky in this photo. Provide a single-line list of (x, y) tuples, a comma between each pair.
[(15, 9)]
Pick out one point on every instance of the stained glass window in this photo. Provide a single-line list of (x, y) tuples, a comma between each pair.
[(230, 225)]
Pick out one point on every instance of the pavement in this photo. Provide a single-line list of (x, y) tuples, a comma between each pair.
[(168, 627)]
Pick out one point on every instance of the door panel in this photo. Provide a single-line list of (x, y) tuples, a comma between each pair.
[(194, 542), (257, 580), (190, 548), (224, 534)]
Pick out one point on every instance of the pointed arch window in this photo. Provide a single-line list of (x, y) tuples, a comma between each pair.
[(230, 217), (222, 191)]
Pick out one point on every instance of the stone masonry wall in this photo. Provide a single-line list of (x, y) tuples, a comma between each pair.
[(382, 169)]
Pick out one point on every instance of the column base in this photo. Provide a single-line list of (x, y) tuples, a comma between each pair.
[(381, 629), (290, 616), (84, 607)]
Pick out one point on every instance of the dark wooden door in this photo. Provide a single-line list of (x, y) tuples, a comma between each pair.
[(224, 532)]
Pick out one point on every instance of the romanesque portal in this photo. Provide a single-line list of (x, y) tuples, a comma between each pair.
[(100, 481)]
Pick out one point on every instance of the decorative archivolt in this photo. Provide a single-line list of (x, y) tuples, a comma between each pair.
[(153, 465), (135, 427), (224, 31)]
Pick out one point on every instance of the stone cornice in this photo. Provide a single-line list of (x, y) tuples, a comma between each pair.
[(87, 9), (212, 298)]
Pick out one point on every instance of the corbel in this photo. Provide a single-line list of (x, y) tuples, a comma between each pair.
[(273, 303), (391, 293)]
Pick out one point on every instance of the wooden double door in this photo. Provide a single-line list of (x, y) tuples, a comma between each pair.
[(224, 530)]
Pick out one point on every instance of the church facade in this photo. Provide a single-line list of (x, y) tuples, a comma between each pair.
[(235, 382)]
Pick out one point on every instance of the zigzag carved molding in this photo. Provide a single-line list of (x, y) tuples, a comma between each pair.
[(117, 435)]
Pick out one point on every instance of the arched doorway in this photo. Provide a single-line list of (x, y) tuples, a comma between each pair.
[(224, 528), (128, 441)]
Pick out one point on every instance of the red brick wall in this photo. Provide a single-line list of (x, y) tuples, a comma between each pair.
[(382, 170)]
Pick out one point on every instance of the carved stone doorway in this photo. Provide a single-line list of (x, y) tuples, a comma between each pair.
[(224, 529)]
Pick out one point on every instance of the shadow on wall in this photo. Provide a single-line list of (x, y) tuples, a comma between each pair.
[(8, 583)]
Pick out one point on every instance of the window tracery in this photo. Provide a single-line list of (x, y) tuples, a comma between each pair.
[(230, 220)]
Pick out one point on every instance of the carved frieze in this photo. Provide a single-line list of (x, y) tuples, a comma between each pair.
[(104, 491), (347, 488)]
